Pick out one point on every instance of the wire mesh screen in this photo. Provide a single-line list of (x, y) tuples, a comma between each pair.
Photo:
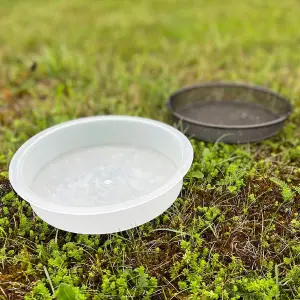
[(238, 111)]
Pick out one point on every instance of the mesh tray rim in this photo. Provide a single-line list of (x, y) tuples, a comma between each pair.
[(229, 84)]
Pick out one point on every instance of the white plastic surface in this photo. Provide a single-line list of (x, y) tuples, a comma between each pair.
[(101, 174)]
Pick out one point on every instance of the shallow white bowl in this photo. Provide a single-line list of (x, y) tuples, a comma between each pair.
[(101, 174)]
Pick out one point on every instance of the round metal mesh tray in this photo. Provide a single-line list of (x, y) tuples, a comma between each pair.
[(229, 112)]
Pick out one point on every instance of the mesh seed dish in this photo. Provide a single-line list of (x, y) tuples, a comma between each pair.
[(229, 112)]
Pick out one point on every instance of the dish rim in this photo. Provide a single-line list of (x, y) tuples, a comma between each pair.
[(228, 84), (23, 190)]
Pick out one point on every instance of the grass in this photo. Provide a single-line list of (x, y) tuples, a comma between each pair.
[(234, 231)]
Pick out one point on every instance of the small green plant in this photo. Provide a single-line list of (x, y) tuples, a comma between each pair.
[(65, 292), (39, 292), (258, 288), (286, 191), (297, 189), (220, 166), (136, 283)]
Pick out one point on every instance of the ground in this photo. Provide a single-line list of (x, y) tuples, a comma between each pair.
[(234, 231)]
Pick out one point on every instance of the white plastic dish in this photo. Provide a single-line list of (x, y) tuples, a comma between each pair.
[(102, 174)]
